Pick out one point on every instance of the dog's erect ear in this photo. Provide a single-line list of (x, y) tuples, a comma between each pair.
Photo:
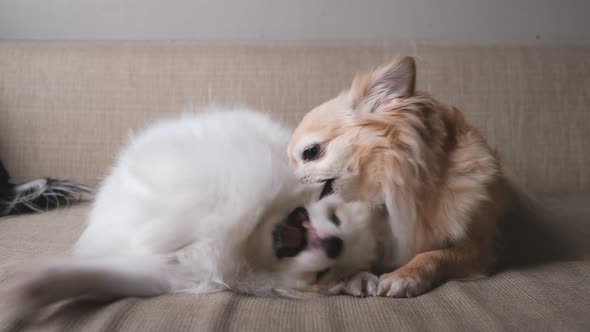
[(395, 80)]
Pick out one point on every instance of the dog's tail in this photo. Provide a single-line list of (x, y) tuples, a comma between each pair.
[(104, 278), (40, 195)]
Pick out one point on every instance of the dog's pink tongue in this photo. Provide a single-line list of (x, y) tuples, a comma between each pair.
[(292, 237)]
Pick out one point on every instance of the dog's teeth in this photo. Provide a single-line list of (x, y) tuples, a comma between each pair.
[(306, 224)]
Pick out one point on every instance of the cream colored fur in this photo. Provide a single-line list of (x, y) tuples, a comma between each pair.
[(419, 160)]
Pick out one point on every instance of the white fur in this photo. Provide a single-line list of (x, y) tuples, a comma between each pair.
[(190, 206)]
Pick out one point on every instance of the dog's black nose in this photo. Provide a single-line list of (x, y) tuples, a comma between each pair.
[(333, 246)]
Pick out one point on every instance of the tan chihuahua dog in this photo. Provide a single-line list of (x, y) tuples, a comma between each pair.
[(402, 150)]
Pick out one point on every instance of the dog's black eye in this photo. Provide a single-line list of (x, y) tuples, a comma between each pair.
[(311, 152), (334, 218), (322, 274)]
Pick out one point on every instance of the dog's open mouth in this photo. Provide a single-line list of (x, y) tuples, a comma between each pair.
[(328, 189), (290, 237)]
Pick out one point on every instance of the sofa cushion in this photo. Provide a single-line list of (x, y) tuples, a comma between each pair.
[(66, 108), (553, 295)]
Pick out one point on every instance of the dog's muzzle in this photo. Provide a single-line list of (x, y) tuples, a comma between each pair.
[(290, 237), (332, 246), (296, 233), (328, 188)]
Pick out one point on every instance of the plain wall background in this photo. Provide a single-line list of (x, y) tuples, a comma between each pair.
[(444, 21)]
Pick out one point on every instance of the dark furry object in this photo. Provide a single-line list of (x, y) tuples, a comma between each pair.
[(38, 195)]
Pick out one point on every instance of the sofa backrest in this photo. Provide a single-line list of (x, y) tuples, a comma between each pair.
[(66, 108)]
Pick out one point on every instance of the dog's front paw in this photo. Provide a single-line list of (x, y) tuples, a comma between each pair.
[(361, 284), (400, 284)]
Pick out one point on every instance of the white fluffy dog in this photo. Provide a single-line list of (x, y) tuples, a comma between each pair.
[(204, 203)]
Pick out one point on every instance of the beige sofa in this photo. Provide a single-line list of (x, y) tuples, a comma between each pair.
[(65, 109)]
